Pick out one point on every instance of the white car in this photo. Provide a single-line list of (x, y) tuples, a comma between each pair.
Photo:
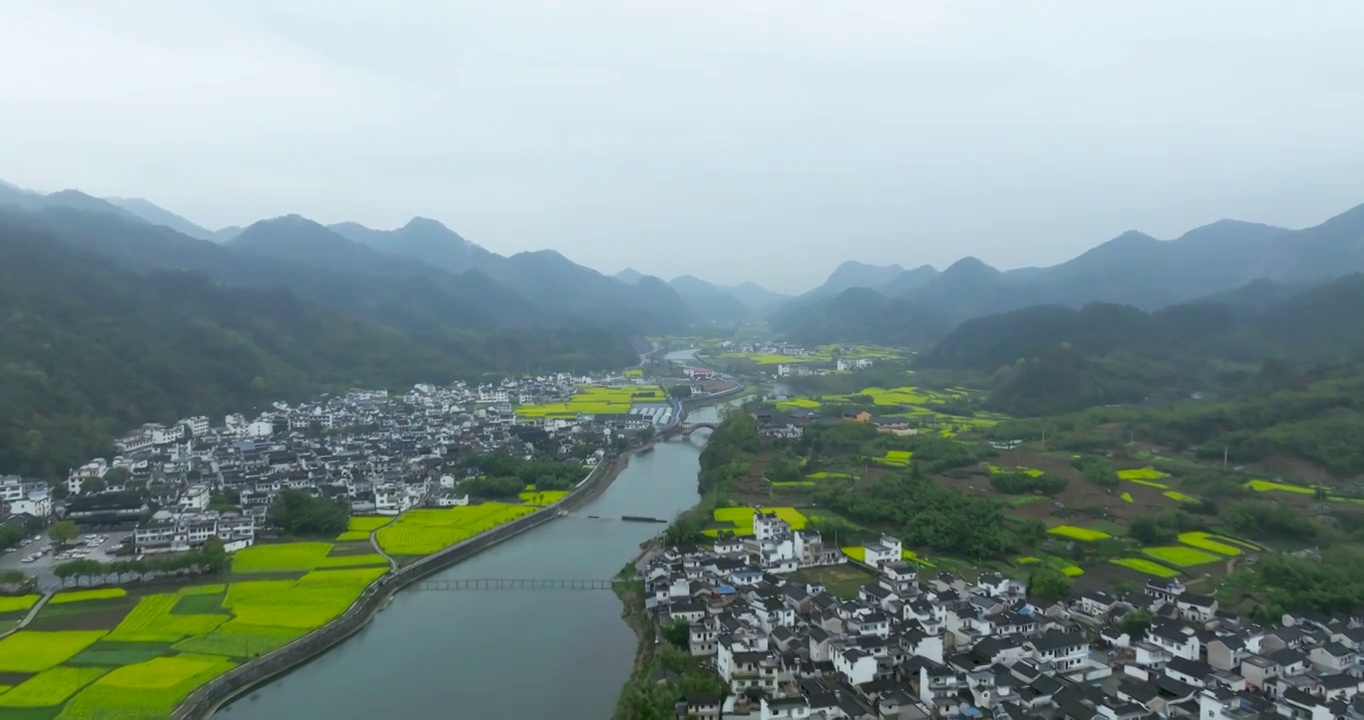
[(28, 559)]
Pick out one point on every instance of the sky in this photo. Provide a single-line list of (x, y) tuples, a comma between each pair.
[(764, 140)]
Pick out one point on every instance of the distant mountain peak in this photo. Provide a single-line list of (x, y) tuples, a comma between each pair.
[(629, 276), (970, 265), (418, 221)]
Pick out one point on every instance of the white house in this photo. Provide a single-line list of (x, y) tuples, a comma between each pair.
[(855, 666), (881, 552), (38, 504)]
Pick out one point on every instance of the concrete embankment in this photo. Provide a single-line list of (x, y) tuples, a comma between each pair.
[(208, 699)]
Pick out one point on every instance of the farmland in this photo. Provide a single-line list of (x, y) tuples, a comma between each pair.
[(287, 557), (83, 595), (139, 656), (596, 399), (739, 520), (422, 532)]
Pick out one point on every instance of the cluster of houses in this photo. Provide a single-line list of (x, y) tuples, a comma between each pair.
[(791, 424), (914, 645), (182, 483)]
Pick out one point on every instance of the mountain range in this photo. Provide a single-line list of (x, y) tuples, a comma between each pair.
[(1132, 269)]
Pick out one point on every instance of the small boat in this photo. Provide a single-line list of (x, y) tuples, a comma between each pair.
[(646, 449)]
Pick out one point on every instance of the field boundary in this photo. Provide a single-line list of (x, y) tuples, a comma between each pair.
[(209, 698), (32, 613)]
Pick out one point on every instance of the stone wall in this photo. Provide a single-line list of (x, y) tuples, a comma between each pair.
[(202, 703)]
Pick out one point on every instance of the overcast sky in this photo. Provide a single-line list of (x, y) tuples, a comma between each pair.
[(763, 140)]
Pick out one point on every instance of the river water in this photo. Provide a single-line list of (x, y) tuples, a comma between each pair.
[(502, 654)]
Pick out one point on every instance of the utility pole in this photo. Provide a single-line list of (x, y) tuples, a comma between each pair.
[(1224, 458)]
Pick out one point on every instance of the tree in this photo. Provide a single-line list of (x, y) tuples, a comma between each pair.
[(1049, 584), (214, 555), (680, 391), (1135, 623), (678, 633), (63, 532), (300, 513)]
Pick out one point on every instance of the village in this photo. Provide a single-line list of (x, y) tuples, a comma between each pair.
[(171, 487), (915, 645)]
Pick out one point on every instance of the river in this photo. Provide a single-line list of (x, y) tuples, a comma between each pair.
[(502, 654)]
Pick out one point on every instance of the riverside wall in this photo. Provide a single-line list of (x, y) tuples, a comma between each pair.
[(202, 703)]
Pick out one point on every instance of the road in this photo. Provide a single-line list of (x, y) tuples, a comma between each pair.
[(42, 567)]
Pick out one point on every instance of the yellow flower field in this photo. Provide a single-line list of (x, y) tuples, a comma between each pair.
[(50, 687), (1206, 541), (367, 523), (542, 497), (1181, 497), (71, 596), (1181, 556), (284, 557), (1078, 533), (17, 603), (353, 536), (1147, 473), (148, 689), (352, 561), (422, 532), (235, 638), (32, 651), (152, 621), (1147, 567), (595, 399), (1269, 486)]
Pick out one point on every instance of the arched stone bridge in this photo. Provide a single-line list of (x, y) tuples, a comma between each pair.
[(685, 430)]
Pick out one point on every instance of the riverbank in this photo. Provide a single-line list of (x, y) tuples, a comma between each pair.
[(243, 679)]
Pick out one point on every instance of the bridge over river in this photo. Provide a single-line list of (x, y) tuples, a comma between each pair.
[(516, 584), (686, 429)]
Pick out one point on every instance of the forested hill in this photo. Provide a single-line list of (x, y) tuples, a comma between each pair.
[(89, 349), (1051, 359)]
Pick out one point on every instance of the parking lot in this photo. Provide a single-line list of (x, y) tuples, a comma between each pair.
[(90, 546)]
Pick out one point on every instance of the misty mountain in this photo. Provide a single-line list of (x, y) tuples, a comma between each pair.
[(854, 274), (91, 348), (545, 278), (426, 240), (756, 297), (441, 310), (909, 281), (1319, 322), (710, 303), (73, 199), (157, 215), (227, 233), (551, 280), (1138, 270), (866, 316), (629, 276)]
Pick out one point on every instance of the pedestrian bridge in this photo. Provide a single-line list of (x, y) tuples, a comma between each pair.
[(516, 584)]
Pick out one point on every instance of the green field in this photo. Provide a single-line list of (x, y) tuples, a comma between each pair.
[(50, 687), (71, 596), (17, 603), (1147, 567), (30, 651), (422, 532), (150, 652), (286, 557), (596, 399), (1078, 533), (1209, 542), (741, 518), (1181, 556), (542, 497)]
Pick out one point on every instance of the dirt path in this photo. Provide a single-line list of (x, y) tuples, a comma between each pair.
[(32, 613)]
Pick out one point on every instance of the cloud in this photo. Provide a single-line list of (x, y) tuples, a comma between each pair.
[(764, 140)]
